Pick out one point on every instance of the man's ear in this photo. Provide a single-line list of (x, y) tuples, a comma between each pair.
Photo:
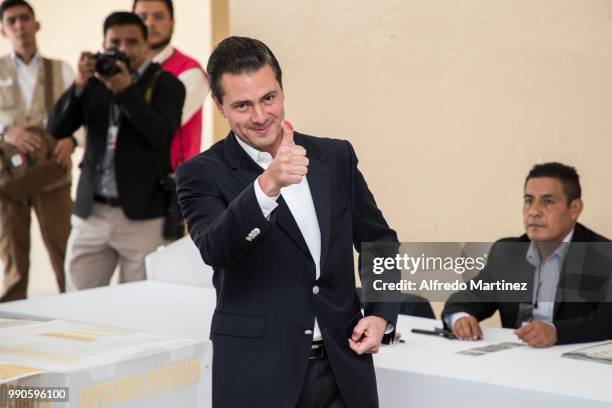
[(219, 106), (2, 31), (576, 207), (37, 26)]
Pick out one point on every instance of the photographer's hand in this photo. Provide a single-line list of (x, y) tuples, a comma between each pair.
[(23, 140), (118, 82), (85, 70)]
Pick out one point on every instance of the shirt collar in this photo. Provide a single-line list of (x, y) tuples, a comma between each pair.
[(533, 256), (141, 69), (35, 59), (163, 55), (263, 159)]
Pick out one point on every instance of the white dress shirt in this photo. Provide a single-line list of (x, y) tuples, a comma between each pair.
[(299, 200), (195, 82), (27, 76), (546, 277)]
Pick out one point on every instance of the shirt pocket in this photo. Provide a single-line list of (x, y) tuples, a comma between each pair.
[(7, 93)]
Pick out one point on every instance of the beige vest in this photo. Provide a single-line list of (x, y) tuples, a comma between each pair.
[(13, 111)]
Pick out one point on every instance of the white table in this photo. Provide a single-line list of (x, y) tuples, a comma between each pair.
[(176, 310), (425, 371)]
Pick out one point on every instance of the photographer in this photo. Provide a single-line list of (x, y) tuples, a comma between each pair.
[(131, 110), (35, 170)]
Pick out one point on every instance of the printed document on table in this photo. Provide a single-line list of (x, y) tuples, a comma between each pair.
[(64, 346)]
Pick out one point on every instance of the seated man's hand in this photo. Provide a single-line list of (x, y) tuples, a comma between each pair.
[(538, 334), (367, 335), (467, 328)]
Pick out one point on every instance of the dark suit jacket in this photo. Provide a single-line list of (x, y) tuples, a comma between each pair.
[(262, 325), (582, 310), (145, 136)]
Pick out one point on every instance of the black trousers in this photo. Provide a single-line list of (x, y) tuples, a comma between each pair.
[(320, 389)]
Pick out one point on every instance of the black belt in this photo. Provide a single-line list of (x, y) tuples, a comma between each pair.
[(112, 201), (317, 350)]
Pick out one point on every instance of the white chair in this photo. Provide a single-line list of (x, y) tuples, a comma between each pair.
[(179, 262)]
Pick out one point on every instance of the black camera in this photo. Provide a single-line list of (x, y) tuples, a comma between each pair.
[(106, 62)]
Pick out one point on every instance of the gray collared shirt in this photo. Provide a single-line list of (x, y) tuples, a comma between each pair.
[(106, 181), (546, 278)]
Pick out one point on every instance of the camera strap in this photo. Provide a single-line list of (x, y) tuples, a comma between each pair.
[(148, 95), (48, 71)]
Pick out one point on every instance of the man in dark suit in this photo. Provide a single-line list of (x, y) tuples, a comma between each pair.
[(277, 214), (131, 114), (565, 266)]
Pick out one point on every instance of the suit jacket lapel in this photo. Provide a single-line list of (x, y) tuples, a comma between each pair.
[(572, 268), (244, 168), (318, 181), (246, 171), (283, 217)]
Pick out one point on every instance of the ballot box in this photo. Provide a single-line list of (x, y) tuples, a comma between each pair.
[(59, 363)]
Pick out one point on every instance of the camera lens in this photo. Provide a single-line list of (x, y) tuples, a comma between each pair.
[(106, 66)]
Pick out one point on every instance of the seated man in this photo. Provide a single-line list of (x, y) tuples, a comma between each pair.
[(559, 306)]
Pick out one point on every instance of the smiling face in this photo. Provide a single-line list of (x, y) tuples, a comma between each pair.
[(547, 215), (253, 104)]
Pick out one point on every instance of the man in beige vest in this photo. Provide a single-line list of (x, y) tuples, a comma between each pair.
[(26, 82)]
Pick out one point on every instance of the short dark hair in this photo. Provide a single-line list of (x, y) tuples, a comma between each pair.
[(566, 174), (7, 4), (124, 18), (167, 2), (238, 55)]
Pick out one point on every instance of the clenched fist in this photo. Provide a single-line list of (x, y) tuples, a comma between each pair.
[(289, 166), (467, 328), (538, 334)]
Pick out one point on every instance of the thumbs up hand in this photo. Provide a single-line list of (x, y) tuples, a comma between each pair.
[(287, 134), (289, 166)]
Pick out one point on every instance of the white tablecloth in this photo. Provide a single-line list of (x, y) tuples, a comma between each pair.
[(425, 371)]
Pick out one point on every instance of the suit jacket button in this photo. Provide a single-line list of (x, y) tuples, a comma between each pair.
[(308, 332), (315, 289)]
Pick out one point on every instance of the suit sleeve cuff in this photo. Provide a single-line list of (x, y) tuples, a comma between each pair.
[(551, 324), (451, 319), (266, 203)]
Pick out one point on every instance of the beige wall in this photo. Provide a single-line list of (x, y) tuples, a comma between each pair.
[(448, 103), (71, 26)]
